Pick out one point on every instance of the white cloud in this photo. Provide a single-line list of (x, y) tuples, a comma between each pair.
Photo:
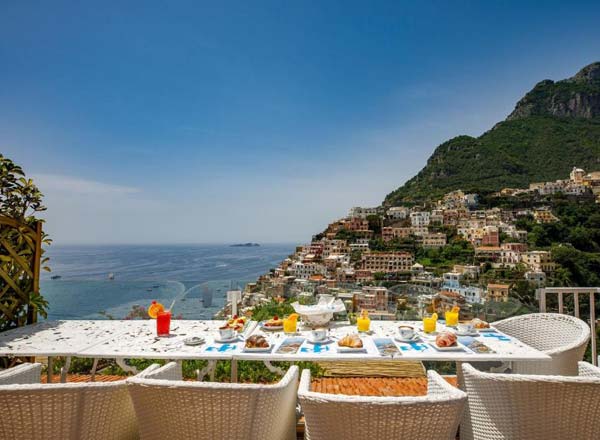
[(76, 185)]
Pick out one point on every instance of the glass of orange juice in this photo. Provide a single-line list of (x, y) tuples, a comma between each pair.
[(290, 323), (363, 322), (430, 323), (451, 316)]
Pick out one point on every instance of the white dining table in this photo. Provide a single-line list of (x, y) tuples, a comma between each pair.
[(136, 339)]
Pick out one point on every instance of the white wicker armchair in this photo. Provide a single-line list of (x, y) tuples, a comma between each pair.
[(333, 416), (562, 337), (31, 410), (23, 373), (531, 407), (170, 408)]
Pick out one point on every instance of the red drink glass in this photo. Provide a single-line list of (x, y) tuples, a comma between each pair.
[(163, 323)]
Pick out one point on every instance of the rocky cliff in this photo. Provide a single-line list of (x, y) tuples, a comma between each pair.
[(553, 127)]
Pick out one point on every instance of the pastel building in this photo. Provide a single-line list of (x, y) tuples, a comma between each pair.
[(306, 270), (497, 292), (452, 283), (397, 212), (419, 218), (536, 277), (387, 262), (357, 211), (434, 240), (539, 260)]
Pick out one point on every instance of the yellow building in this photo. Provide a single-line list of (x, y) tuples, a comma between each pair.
[(497, 292)]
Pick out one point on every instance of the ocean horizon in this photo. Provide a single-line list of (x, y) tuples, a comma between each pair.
[(196, 276)]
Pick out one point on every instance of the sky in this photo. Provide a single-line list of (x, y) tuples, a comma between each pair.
[(219, 122)]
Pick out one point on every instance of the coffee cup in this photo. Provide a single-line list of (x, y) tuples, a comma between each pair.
[(465, 327), (406, 331), (226, 333), (319, 334)]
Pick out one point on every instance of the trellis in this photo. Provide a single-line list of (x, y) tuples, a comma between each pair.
[(20, 265)]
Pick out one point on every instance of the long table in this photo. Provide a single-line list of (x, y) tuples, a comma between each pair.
[(136, 339)]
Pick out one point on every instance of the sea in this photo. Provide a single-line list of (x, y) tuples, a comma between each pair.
[(108, 281)]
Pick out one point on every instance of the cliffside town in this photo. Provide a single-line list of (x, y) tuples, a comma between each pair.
[(456, 250)]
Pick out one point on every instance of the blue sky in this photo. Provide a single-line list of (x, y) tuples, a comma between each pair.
[(185, 122)]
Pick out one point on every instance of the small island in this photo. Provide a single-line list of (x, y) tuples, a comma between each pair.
[(245, 245)]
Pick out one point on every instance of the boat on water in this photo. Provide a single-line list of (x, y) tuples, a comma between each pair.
[(111, 276), (55, 277)]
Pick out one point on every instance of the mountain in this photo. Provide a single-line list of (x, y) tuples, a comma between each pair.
[(553, 127)]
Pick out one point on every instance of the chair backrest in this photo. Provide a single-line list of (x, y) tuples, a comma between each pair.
[(532, 407), (562, 337), (23, 373), (203, 410), (333, 416), (546, 331), (67, 411)]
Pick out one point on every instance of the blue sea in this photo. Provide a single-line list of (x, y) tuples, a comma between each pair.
[(196, 277)]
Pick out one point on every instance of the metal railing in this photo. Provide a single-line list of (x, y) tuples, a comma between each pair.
[(576, 292)]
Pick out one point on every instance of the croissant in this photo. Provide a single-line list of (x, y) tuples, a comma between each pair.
[(478, 323), (352, 341)]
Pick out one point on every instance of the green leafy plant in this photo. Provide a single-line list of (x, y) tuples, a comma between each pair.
[(21, 251)]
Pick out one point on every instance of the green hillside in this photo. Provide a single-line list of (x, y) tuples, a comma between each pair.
[(554, 127)]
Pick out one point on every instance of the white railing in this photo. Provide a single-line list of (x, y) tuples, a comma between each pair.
[(576, 292)]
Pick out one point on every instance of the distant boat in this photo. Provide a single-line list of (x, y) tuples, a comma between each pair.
[(245, 245), (55, 277), (111, 276)]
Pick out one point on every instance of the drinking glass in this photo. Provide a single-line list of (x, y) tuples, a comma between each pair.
[(429, 324), (451, 318), (289, 325), (363, 323), (163, 323)]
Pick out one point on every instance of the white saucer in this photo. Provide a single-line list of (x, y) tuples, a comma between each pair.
[(327, 340), (218, 339), (486, 330), (194, 340), (413, 339), (473, 333)]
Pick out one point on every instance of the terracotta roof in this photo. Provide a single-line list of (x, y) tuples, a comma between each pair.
[(363, 386), (374, 386)]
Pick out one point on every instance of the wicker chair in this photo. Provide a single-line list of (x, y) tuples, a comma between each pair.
[(31, 410), (531, 407), (23, 373), (334, 416), (168, 407), (562, 337)]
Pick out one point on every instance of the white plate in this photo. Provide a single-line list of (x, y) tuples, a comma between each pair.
[(257, 349), (413, 339), (218, 339), (456, 347), (351, 350), (272, 329)]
